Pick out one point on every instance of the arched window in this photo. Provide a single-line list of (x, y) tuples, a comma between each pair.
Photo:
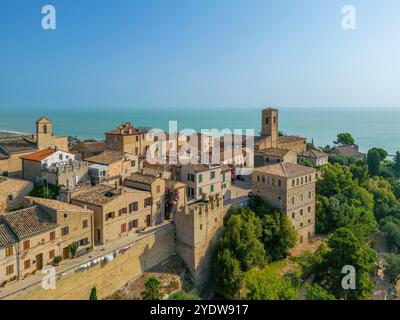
[(279, 183)]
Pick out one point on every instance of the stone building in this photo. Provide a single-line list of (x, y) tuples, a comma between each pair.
[(45, 137), (118, 211), (263, 157), (112, 164), (12, 193), (156, 187), (32, 237), (199, 217), (270, 137), (289, 187), (316, 157), (12, 149), (126, 138), (54, 166)]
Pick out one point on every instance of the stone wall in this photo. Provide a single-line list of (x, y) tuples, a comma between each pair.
[(144, 254)]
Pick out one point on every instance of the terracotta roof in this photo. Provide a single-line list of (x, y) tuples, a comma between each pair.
[(43, 119), (17, 145), (98, 195), (348, 151), (102, 194), (199, 167), (107, 157), (313, 154), (274, 152), (142, 178), (29, 221), (286, 169), (39, 155), (287, 139), (57, 205), (89, 149), (7, 237)]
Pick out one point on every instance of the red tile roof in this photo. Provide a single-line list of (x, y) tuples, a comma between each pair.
[(39, 155)]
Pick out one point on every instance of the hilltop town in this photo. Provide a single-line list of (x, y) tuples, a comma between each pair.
[(102, 212)]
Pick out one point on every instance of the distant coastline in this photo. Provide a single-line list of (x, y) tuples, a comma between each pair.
[(371, 127)]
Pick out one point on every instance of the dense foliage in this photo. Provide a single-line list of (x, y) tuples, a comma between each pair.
[(252, 237), (152, 289), (344, 139)]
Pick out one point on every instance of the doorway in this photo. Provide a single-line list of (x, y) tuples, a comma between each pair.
[(39, 261)]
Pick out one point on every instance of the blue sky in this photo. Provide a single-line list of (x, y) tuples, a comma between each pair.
[(199, 53)]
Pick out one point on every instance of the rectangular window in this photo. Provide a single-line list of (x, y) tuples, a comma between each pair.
[(200, 191), (158, 189), (9, 269), (123, 227), (110, 215), (200, 178), (65, 231), (147, 202), (212, 188), (133, 224), (52, 254), (9, 251), (212, 175), (83, 242), (85, 224), (133, 207), (223, 177), (122, 211), (26, 245), (27, 264), (52, 235)]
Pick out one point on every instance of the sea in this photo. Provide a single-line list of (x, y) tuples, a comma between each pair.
[(371, 127)]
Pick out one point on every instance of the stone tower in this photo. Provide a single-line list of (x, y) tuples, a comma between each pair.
[(269, 125), (44, 133)]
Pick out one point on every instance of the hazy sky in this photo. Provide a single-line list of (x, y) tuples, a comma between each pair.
[(199, 53)]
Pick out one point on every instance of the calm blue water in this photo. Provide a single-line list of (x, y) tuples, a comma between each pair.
[(370, 127)]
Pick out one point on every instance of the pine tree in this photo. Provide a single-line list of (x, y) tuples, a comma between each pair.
[(93, 294)]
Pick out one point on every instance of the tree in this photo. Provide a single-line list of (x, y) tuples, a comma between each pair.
[(241, 235), (391, 229), (152, 289), (344, 139), (316, 292), (336, 179), (392, 270), (382, 153), (227, 274), (93, 294), (374, 162), (278, 233), (396, 163), (345, 249), (267, 284)]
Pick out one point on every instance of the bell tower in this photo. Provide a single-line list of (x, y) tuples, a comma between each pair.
[(44, 133), (269, 124)]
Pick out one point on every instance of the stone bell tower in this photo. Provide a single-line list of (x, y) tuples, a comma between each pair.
[(44, 133), (269, 125)]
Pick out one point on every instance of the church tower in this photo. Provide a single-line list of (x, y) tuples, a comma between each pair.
[(44, 133), (269, 125)]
